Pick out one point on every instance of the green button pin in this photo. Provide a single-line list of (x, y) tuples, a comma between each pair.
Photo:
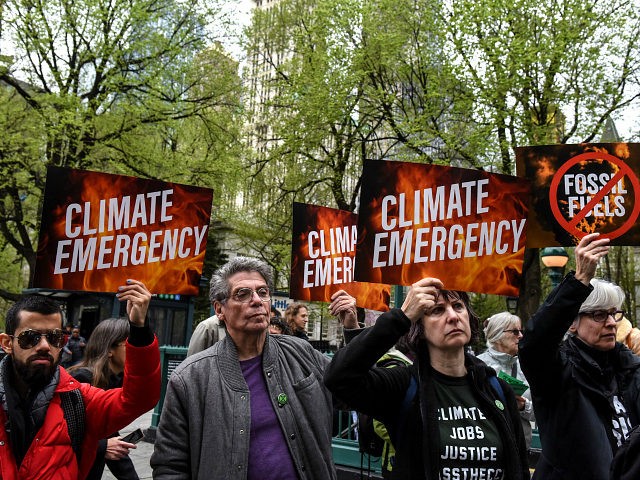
[(282, 399), (499, 404)]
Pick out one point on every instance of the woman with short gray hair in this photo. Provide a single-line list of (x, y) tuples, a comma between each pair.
[(503, 332), (586, 388)]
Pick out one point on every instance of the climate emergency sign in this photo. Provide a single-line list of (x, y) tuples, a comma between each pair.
[(465, 227), (582, 189), (99, 229), (323, 247)]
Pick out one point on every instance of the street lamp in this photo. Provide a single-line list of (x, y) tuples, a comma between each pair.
[(512, 304), (554, 258)]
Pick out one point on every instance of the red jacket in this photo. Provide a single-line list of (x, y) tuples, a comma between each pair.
[(50, 456)]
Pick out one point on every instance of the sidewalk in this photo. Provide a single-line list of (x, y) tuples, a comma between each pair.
[(142, 453)]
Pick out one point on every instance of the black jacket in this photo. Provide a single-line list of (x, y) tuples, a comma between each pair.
[(571, 392), (380, 392)]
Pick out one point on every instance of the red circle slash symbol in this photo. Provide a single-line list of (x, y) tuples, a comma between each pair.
[(571, 225)]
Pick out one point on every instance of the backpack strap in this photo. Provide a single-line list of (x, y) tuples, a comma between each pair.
[(495, 384), (411, 392), (404, 409), (73, 408)]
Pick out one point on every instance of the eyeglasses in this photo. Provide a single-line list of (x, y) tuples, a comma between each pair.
[(31, 338), (601, 316), (515, 331), (244, 295)]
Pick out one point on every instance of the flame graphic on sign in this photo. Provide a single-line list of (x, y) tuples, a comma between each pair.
[(494, 273), (323, 220), (561, 213), (191, 207)]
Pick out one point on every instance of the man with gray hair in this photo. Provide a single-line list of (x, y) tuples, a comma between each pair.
[(254, 405), (585, 389)]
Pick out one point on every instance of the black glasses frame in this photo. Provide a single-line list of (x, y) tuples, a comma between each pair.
[(601, 316), (515, 331), (30, 338)]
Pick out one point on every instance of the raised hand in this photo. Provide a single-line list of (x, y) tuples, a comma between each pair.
[(137, 297), (422, 296), (343, 306), (588, 252)]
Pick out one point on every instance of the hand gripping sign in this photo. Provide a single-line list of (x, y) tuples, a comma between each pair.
[(580, 189)]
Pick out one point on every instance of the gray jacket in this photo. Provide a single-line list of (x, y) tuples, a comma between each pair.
[(205, 422)]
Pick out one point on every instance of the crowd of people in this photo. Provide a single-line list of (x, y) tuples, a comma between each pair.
[(254, 399)]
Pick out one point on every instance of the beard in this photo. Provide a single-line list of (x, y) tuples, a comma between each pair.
[(36, 377)]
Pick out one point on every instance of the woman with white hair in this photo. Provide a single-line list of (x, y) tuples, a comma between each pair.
[(503, 332), (585, 389)]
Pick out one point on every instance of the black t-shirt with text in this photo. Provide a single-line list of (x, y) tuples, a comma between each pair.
[(470, 444)]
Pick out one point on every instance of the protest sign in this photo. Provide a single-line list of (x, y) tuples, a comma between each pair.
[(98, 230), (322, 250), (581, 189), (465, 227)]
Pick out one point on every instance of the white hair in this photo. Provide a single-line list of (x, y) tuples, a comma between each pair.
[(605, 296), (496, 325)]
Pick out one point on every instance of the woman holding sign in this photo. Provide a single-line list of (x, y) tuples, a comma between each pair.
[(448, 414), (503, 332), (585, 388)]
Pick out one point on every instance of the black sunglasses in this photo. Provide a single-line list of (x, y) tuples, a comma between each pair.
[(31, 338), (515, 331)]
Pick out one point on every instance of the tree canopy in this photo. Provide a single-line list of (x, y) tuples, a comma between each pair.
[(138, 87), (459, 83)]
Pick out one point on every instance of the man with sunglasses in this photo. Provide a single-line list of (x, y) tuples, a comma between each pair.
[(52, 423), (253, 406), (585, 388)]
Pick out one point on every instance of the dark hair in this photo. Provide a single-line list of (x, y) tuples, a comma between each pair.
[(275, 311), (416, 333), (404, 346), (281, 324), (108, 334), (30, 303), (219, 288), (291, 311)]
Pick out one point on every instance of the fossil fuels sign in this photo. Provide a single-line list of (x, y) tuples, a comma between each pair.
[(581, 189)]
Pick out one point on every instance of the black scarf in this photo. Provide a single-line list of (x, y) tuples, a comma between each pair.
[(607, 360), (25, 416)]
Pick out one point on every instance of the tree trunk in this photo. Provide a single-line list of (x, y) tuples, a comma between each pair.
[(530, 291)]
